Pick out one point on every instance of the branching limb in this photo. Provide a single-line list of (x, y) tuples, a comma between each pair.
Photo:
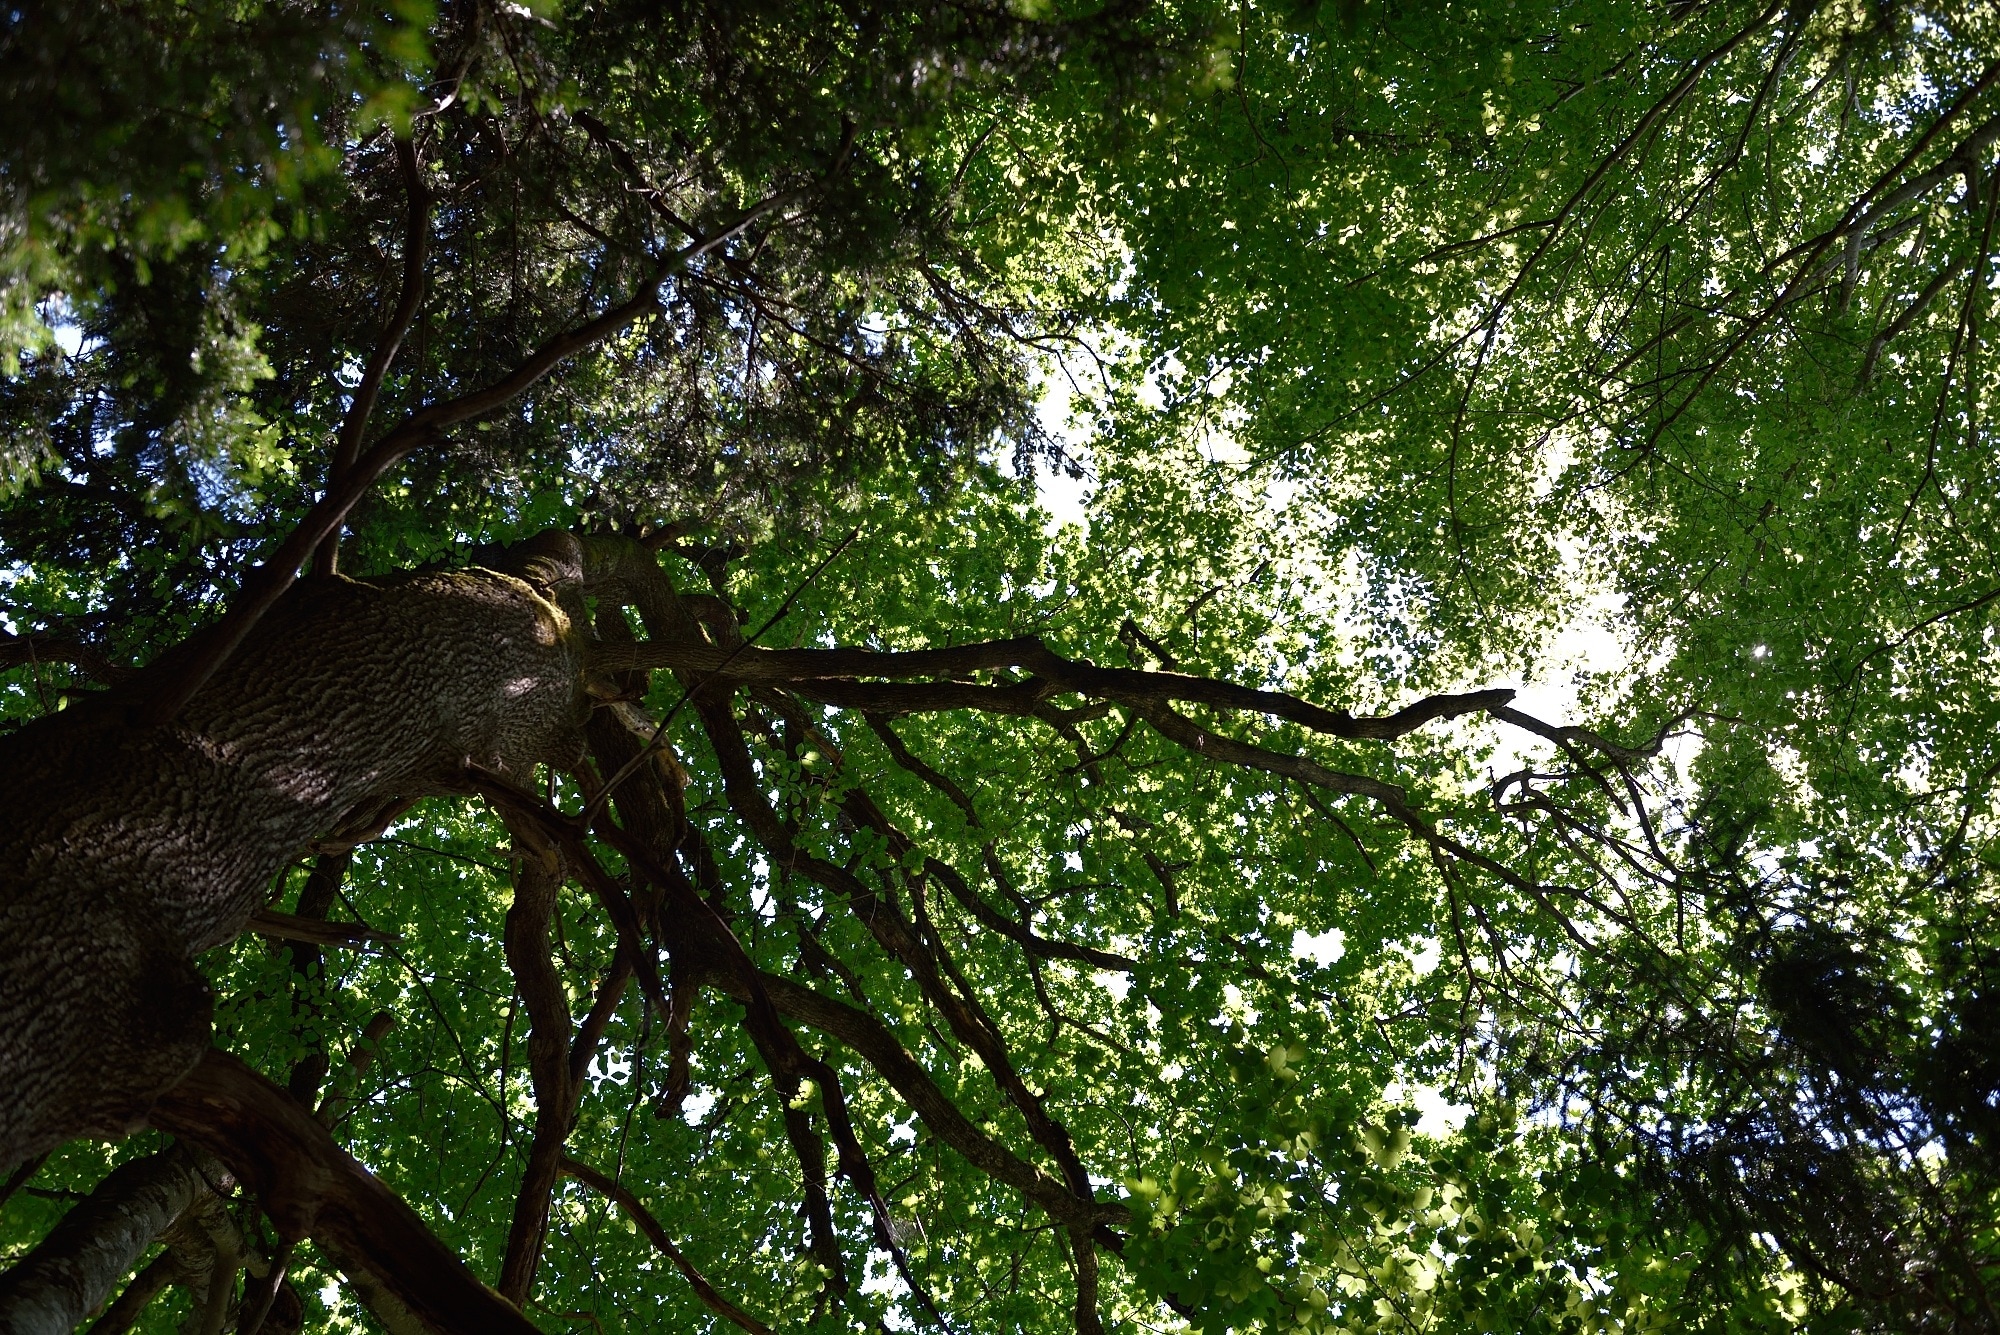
[(416, 245), (643, 1218), (823, 668), (871, 1040), (310, 1187), (884, 920), (536, 885)]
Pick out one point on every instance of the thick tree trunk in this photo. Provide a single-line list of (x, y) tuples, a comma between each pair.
[(126, 850), (129, 848)]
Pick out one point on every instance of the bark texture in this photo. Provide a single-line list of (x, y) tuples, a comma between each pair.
[(54, 1288), (128, 849)]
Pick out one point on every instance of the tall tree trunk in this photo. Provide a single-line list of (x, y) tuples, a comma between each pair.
[(128, 849)]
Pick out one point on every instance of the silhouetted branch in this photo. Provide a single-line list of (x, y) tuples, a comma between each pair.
[(310, 1187), (650, 1226)]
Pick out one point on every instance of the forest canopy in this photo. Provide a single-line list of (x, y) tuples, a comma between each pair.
[(1038, 666)]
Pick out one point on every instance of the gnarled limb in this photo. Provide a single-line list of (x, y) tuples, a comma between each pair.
[(536, 884), (354, 695), (310, 1187)]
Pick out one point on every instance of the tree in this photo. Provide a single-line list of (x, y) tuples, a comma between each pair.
[(1683, 310), (1028, 927)]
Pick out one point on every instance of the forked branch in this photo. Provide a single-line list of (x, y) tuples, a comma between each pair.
[(310, 1187)]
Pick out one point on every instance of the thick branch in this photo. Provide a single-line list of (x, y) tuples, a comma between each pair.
[(822, 669), (310, 1187), (536, 885), (55, 1287)]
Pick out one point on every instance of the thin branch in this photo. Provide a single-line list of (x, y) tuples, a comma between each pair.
[(642, 1217), (177, 683), (416, 246)]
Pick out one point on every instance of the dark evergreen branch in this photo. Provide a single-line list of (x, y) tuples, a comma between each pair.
[(169, 689), (361, 407)]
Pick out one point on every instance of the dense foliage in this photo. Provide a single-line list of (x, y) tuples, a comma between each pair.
[(1397, 343)]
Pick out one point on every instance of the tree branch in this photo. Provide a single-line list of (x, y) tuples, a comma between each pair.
[(312, 931), (310, 1187), (647, 1224), (818, 670), (39, 647), (416, 245), (885, 922), (871, 1040), (536, 886)]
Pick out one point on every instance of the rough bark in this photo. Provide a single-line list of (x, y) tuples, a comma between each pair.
[(127, 849), (58, 1285), (145, 1286)]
